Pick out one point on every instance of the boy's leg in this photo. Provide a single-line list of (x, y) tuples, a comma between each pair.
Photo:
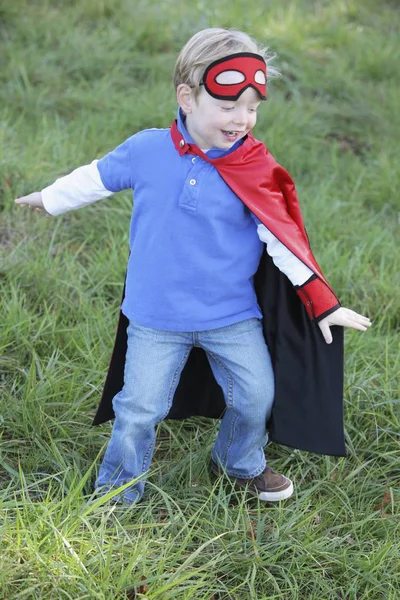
[(241, 364), (154, 361)]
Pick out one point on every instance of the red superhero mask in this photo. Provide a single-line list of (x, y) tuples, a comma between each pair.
[(228, 77)]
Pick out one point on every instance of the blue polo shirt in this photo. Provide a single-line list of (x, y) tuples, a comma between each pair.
[(194, 244)]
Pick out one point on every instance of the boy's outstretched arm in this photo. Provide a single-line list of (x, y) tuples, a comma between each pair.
[(86, 184), (299, 274), (78, 189), (344, 317)]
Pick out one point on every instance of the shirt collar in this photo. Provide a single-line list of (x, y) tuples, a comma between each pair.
[(213, 152)]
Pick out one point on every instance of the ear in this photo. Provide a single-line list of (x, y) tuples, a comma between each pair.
[(184, 97)]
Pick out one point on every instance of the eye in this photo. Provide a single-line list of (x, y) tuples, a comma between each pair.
[(227, 107)]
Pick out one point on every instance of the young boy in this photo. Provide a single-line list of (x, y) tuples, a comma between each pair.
[(201, 297)]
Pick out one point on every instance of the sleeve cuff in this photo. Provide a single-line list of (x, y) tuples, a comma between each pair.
[(318, 299), (49, 202)]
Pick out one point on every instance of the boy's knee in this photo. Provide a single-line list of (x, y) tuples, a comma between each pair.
[(261, 398), (132, 409)]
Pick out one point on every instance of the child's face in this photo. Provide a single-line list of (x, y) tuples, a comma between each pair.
[(220, 123)]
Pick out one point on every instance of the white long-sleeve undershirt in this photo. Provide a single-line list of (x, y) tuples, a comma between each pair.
[(78, 189)]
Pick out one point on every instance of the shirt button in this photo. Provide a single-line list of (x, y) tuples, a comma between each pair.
[(192, 182), (193, 159)]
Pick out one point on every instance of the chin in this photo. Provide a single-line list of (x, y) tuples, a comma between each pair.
[(224, 143)]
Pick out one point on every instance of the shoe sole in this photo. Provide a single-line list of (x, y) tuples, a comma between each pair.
[(263, 496)]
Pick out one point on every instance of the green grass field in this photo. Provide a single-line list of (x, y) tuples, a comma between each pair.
[(78, 78)]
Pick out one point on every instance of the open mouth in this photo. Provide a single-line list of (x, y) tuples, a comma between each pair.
[(230, 134)]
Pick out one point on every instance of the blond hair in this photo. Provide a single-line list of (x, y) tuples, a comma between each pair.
[(212, 44)]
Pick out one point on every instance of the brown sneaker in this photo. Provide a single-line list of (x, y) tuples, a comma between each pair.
[(268, 486)]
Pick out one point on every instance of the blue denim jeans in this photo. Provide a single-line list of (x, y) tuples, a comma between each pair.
[(241, 364)]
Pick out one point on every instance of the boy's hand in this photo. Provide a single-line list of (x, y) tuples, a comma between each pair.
[(346, 318), (34, 201)]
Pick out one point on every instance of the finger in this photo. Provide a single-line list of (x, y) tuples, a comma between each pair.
[(347, 319), (357, 326), (357, 323), (361, 319), (356, 315), (326, 332), (367, 323)]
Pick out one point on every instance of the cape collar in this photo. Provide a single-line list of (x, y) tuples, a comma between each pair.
[(184, 147)]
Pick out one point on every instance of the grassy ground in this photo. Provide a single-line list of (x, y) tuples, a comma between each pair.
[(77, 78)]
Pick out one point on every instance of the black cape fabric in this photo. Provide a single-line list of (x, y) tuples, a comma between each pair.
[(308, 407)]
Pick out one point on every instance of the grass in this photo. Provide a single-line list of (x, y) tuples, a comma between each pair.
[(77, 78)]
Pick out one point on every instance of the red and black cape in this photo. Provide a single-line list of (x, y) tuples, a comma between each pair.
[(308, 408)]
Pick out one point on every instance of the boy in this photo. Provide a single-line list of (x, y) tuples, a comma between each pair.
[(202, 299)]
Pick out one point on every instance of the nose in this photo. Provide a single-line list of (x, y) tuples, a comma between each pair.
[(240, 116)]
